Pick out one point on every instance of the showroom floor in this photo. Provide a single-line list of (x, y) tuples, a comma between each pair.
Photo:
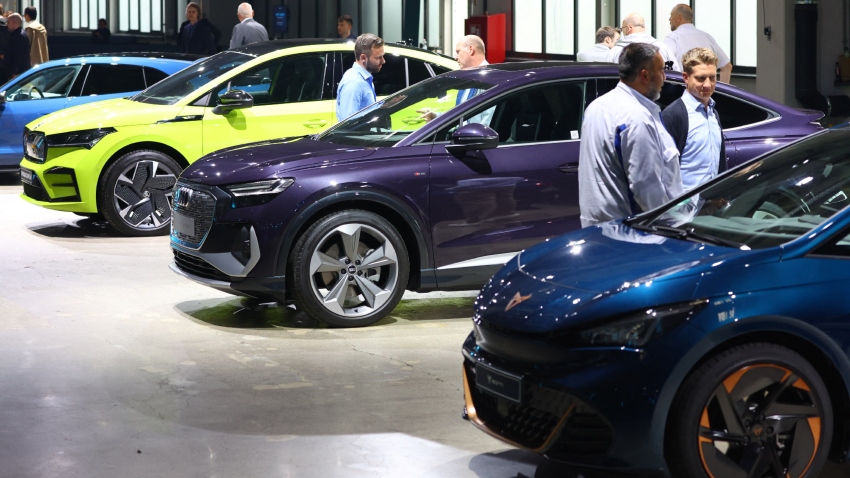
[(112, 365)]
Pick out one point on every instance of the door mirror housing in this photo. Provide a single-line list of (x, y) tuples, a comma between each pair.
[(473, 137), (233, 100)]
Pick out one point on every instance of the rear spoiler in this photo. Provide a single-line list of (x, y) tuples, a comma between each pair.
[(814, 115)]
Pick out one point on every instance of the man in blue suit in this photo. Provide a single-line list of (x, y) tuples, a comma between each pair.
[(16, 59), (247, 30)]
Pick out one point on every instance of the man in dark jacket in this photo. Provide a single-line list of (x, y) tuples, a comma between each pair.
[(4, 41), (693, 122), (16, 59)]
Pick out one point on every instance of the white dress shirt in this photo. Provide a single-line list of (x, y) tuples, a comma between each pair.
[(598, 52), (642, 37), (686, 37)]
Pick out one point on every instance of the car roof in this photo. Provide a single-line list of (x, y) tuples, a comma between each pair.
[(263, 48), (147, 55)]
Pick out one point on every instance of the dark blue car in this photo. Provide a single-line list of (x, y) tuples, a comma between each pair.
[(707, 338), (68, 82), (435, 187)]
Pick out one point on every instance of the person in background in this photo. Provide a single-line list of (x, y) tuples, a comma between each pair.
[(102, 34), (247, 30), (195, 35), (4, 42), (470, 52), (628, 163), (634, 31), (685, 37), (606, 37), (693, 122), (37, 35), (344, 25), (356, 90), (16, 60)]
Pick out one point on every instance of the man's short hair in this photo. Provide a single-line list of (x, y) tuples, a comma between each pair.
[(698, 56), (31, 12), (365, 43), (685, 11), (636, 57), (605, 32), (345, 18)]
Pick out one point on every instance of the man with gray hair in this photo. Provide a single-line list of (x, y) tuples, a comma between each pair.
[(355, 90), (628, 163), (247, 30), (470, 52), (606, 37), (634, 31), (684, 37)]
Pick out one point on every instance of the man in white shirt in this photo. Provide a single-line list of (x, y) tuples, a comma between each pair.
[(606, 37), (684, 37), (628, 163), (634, 31)]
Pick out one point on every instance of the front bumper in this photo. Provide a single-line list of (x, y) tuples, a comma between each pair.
[(67, 181)]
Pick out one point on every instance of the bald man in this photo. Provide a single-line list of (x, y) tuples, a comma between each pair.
[(634, 31), (684, 37), (247, 30), (16, 60), (470, 53)]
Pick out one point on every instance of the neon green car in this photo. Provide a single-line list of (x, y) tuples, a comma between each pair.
[(120, 158)]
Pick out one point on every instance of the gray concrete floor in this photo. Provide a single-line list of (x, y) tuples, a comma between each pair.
[(111, 365)]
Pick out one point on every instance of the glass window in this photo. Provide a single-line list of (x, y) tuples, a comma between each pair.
[(735, 113), (746, 32), (188, 80), (392, 77), (643, 7), (109, 79), (288, 80), (439, 70), (560, 16), (433, 35), (369, 22), (715, 18), (460, 12), (85, 13), (143, 16), (528, 23), (50, 83), (391, 22), (417, 71), (153, 76), (349, 7), (662, 16), (587, 25)]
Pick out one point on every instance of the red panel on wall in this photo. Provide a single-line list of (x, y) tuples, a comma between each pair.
[(491, 29)]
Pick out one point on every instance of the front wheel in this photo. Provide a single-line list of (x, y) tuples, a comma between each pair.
[(135, 193), (349, 269), (757, 410)]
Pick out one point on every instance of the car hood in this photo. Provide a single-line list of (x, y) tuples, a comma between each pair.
[(103, 114), (596, 272), (255, 161)]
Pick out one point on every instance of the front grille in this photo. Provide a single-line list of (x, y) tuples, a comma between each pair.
[(36, 190), (534, 421), (198, 267), (200, 206)]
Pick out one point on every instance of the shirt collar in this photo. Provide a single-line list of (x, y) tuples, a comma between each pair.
[(692, 103), (362, 72), (246, 19), (686, 26), (650, 105)]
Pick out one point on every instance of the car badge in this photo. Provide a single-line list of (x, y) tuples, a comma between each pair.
[(183, 196), (516, 300)]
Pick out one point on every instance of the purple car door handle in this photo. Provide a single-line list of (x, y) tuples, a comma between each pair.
[(568, 168)]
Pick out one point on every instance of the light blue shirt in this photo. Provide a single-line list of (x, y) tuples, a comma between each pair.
[(701, 155), (355, 92)]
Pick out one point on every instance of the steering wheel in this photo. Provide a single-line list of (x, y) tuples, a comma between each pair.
[(35, 89)]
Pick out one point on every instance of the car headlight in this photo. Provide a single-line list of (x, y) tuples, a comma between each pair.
[(637, 329), (86, 138), (257, 192), (35, 148)]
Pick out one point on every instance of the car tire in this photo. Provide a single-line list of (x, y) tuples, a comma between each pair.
[(134, 194), (329, 267), (724, 421)]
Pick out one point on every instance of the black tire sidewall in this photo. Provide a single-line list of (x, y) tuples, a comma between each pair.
[(106, 188), (682, 454), (299, 263)]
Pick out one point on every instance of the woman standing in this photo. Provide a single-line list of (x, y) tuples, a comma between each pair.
[(195, 35)]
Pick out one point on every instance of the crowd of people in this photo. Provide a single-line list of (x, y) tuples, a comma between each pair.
[(22, 45)]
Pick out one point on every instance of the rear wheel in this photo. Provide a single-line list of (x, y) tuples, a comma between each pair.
[(349, 269), (754, 411), (135, 193)]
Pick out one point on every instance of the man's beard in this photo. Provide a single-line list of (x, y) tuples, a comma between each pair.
[(653, 93), (371, 68)]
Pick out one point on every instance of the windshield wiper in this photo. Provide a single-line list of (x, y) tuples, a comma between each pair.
[(689, 233)]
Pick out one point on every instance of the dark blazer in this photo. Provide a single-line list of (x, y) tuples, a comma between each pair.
[(198, 39), (675, 117), (16, 59)]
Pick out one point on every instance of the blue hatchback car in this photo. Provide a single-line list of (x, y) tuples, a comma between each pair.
[(68, 82), (707, 338)]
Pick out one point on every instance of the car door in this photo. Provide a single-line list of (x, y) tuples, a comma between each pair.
[(28, 98), (289, 100), (105, 81), (488, 205)]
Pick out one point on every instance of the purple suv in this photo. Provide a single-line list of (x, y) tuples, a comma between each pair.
[(435, 187)]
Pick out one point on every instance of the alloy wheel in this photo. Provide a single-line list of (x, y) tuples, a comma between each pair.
[(143, 195)]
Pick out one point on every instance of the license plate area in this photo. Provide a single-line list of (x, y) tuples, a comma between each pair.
[(183, 224), (498, 382), (27, 176)]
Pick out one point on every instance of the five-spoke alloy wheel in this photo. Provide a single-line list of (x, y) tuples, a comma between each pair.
[(754, 411), (349, 269), (135, 193)]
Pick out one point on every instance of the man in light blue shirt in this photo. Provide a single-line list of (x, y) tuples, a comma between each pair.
[(693, 122), (356, 90)]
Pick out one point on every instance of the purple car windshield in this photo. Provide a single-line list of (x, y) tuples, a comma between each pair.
[(766, 202), (385, 123)]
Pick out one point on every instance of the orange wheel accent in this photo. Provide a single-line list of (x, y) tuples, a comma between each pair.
[(703, 421), (704, 440), (802, 385), (733, 379), (815, 427)]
